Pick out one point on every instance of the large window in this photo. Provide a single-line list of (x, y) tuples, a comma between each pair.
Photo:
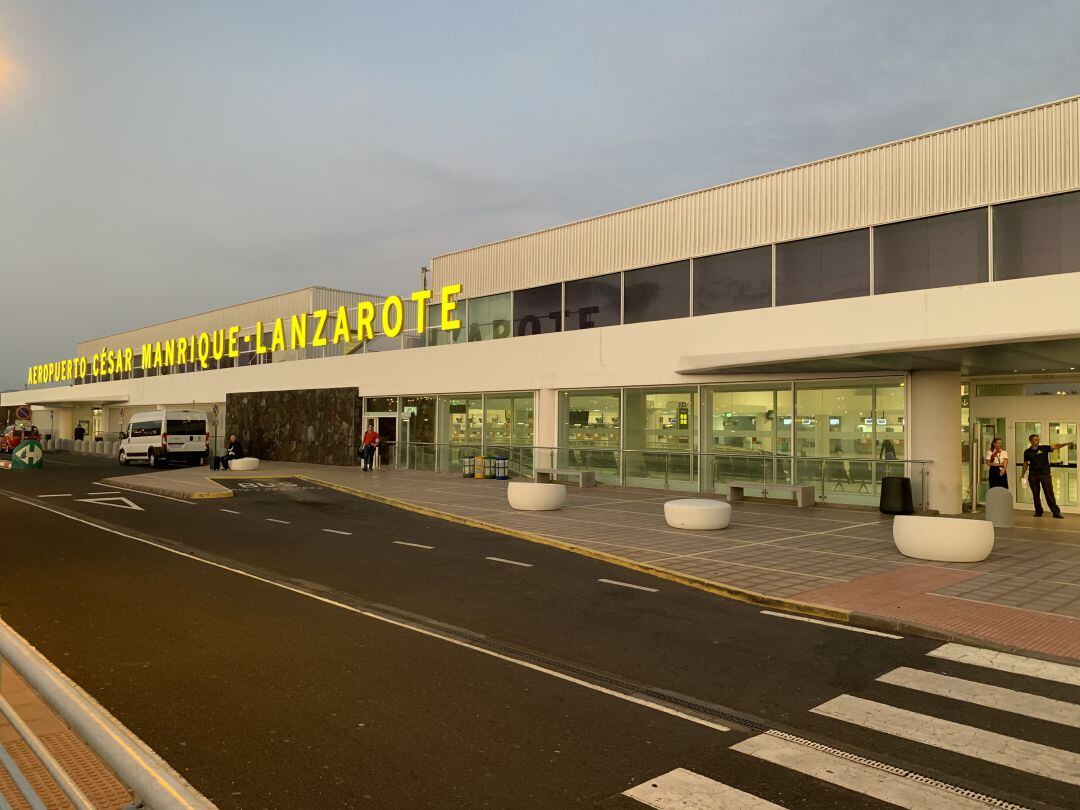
[(932, 252), (508, 420), (592, 302), (1037, 237), (590, 429), (660, 437), (728, 282), (538, 310), (490, 317), (823, 268), (657, 293), (436, 336)]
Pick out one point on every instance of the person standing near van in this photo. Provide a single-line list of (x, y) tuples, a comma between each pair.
[(80, 431), (368, 446), (1037, 460), (997, 459)]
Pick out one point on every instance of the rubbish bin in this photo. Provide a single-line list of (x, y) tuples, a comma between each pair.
[(468, 467), (896, 496), (502, 468), (485, 467), (999, 507)]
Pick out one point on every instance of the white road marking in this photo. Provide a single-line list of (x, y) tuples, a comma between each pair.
[(349, 608), (151, 494), (996, 697), (110, 492), (1007, 662), (275, 520), (57, 495), (230, 511), (989, 746), (829, 624), (115, 501), (414, 545), (537, 668), (681, 789), (336, 531), (628, 585), (509, 562), (865, 779)]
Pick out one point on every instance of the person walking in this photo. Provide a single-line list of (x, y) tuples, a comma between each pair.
[(1037, 469), (997, 459), (233, 451), (368, 446)]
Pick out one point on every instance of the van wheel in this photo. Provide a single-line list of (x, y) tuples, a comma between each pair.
[(151, 458), (123, 459)]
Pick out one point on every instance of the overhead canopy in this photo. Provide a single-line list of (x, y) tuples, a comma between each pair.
[(1035, 357), (73, 402)]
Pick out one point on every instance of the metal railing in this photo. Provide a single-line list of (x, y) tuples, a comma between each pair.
[(144, 773), (850, 479)]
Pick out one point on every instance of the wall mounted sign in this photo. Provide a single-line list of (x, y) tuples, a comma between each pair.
[(319, 328)]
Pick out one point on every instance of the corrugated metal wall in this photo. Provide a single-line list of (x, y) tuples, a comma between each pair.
[(242, 315), (1022, 154)]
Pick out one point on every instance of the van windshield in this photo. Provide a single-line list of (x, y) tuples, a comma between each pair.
[(189, 426)]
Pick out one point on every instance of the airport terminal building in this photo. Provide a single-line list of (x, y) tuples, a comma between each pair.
[(887, 311)]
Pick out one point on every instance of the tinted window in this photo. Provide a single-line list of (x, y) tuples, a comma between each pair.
[(728, 282), (656, 293), (489, 317), (178, 427), (823, 268), (592, 302), (932, 252), (145, 429), (538, 311), (1037, 237)]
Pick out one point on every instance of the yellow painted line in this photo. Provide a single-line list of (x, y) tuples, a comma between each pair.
[(715, 588)]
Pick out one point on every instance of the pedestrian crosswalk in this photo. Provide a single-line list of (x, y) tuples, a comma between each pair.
[(1007, 749)]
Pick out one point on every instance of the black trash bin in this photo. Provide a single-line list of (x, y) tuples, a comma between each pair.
[(896, 496)]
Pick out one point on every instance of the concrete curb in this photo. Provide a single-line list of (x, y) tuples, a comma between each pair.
[(870, 621), (131, 482)]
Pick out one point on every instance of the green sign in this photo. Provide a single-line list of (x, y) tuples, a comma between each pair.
[(28, 456)]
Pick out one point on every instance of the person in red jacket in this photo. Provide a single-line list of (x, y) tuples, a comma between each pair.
[(368, 446)]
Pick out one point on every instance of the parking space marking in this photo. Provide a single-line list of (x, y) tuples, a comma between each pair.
[(230, 511), (628, 585), (151, 494), (413, 545), (57, 495), (110, 492), (509, 562), (337, 531), (275, 520)]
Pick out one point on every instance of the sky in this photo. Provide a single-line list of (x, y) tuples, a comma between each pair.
[(161, 158)]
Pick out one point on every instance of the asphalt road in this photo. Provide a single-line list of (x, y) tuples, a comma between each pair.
[(444, 666)]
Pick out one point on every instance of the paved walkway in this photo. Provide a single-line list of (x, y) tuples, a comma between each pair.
[(1025, 596)]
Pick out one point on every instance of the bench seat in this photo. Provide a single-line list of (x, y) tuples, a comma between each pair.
[(804, 493), (585, 478)]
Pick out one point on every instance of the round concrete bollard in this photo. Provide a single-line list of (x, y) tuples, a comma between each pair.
[(999, 507), (697, 513), (943, 539), (99, 447), (526, 496), (108, 449), (245, 464), (77, 446)]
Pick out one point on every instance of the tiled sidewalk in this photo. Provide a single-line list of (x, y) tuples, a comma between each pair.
[(1026, 595)]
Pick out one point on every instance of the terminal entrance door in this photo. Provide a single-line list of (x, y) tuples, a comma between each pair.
[(386, 427), (1062, 461)]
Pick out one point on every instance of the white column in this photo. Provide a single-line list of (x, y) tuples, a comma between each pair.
[(934, 431), (546, 425)]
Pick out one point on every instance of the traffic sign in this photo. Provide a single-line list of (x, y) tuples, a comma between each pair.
[(23, 413), (28, 456)]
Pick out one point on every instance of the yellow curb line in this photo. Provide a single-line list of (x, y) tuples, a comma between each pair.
[(717, 589)]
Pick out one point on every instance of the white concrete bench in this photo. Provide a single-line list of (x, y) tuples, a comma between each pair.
[(245, 464), (943, 539), (804, 493), (585, 478), (526, 496), (697, 513)]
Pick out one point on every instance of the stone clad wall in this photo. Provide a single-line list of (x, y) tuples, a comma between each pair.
[(317, 426)]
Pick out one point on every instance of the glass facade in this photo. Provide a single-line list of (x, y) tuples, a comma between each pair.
[(1038, 237), (591, 432), (490, 317), (593, 302), (728, 282), (823, 268), (656, 293), (660, 437), (933, 252), (538, 310)]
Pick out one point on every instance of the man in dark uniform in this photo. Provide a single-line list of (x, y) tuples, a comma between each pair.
[(1037, 469)]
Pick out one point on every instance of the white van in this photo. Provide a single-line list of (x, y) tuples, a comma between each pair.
[(158, 437)]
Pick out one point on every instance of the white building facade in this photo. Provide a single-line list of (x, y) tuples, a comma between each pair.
[(886, 312)]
